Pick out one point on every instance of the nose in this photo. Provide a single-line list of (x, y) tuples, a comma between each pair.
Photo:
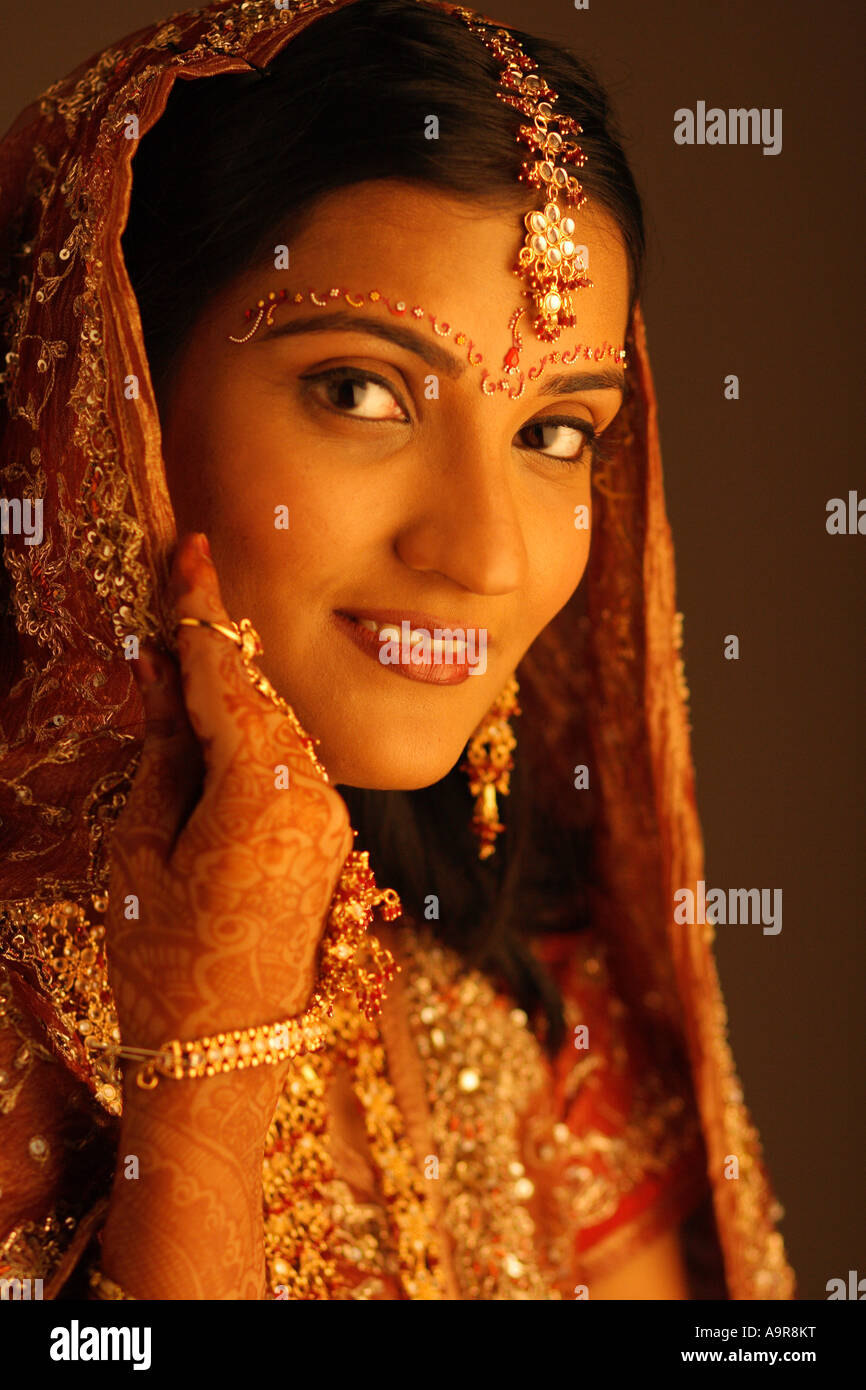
[(466, 525)]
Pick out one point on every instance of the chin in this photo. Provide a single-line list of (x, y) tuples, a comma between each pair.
[(380, 768)]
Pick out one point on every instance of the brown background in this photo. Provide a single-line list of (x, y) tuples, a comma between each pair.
[(755, 269)]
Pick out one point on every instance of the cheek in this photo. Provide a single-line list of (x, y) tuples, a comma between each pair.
[(558, 543), (288, 517)]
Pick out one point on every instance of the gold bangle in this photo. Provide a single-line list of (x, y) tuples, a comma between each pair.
[(103, 1287), (232, 1051)]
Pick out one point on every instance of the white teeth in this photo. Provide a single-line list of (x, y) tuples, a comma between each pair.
[(455, 648)]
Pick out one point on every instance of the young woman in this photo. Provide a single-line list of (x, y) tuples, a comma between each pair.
[(324, 365)]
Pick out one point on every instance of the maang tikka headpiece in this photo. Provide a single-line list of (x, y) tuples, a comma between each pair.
[(548, 262), (549, 265)]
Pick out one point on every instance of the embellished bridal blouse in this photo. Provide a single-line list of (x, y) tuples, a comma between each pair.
[(539, 1174)]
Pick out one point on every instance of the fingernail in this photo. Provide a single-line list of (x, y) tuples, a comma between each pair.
[(203, 545)]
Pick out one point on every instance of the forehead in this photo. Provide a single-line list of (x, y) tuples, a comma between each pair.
[(454, 257)]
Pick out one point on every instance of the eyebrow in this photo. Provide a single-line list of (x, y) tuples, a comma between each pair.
[(406, 338), (609, 379), (564, 383)]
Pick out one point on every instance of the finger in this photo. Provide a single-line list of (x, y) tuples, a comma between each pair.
[(224, 708), (170, 771)]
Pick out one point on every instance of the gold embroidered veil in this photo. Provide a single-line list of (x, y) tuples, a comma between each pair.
[(605, 675)]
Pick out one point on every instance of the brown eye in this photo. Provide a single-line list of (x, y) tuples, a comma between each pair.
[(569, 439), (358, 394)]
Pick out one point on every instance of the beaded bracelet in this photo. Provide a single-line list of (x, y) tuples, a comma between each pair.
[(350, 914), (223, 1052)]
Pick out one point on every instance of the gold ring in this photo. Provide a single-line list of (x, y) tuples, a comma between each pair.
[(233, 634)]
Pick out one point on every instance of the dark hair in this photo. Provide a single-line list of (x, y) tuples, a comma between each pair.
[(236, 159)]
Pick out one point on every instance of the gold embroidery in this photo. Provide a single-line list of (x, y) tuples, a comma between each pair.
[(403, 1187), (68, 98), (298, 1224), (763, 1270), (34, 1249), (591, 1171), (482, 1066), (318, 1238), (12, 1080), (362, 1241), (67, 956)]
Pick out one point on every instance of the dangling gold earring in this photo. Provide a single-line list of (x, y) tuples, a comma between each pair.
[(489, 769)]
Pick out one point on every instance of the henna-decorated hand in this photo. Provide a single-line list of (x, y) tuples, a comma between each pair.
[(231, 871)]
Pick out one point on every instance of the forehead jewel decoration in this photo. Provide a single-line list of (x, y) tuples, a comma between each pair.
[(548, 263)]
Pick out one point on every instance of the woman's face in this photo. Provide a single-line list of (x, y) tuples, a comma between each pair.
[(410, 494)]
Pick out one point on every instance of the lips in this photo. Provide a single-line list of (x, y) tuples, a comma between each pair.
[(371, 630)]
